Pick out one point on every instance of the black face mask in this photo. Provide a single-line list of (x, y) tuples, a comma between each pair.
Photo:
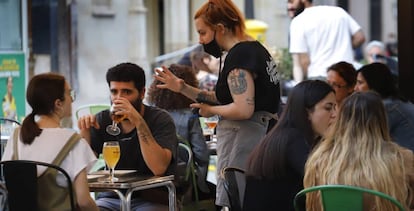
[(213, 48)]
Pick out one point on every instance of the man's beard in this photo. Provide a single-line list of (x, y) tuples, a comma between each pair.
[(299, 9), (137, 104)]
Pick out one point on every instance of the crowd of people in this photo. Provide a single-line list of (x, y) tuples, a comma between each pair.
[(342, 124)]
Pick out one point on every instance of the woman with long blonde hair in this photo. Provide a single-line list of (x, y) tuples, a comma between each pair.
[(359, 152)]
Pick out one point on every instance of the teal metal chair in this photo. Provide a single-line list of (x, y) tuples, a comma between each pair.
[(342, 197), (91, 109), (7, 127)]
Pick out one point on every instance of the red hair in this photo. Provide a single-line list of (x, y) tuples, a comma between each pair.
[(223, 12)]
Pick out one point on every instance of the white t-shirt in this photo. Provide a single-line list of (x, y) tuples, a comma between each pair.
[(47, 146), (325, 33)]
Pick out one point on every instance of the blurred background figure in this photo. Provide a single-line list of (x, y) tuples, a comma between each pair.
[(9, 102), (392, 45), (275, 168), (400, 112), (206, 68), (375, 51), (186, 122), (359, 151), (293, 9), (342, 77), (319, 41)]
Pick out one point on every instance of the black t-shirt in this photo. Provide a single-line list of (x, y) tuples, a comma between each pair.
[(253, 57), (162, 128)]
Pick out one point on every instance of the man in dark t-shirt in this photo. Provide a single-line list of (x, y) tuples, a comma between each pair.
[(148, 140)]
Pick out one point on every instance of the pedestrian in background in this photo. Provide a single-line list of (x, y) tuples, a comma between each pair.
[(321, 36)]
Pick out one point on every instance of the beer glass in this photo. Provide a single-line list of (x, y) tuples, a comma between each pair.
[(111, 153)]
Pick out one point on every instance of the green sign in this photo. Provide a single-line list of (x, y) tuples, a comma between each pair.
[(12, 86)]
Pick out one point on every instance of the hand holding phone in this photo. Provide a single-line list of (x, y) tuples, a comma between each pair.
[(203, 100), (200, 100)]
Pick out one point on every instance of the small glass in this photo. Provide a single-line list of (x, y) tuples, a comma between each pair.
[(211, 123), (111, 153), (113, 128)]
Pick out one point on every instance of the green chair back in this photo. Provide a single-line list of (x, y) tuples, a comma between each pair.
[(343, 197), (91, 109)]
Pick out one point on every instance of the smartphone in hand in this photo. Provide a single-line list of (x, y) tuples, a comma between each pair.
[(201, 100)]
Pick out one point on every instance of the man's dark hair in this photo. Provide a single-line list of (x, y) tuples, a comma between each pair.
[(126, 72)]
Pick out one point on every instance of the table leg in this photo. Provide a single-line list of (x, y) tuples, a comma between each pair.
[(171, 196), (171, 193), (123, 205)]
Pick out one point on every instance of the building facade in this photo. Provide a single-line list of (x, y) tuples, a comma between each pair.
[(83, 38)]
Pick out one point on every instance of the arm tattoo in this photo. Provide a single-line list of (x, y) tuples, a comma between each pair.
[(206, 97), (144, 133), (143, 137), (250, 101), (237, 81)]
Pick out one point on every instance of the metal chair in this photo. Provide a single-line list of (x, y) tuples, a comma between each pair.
[(5, 120), (185, 159), (3, 196), (188, 192), (6, 128), (24, 192), (183, 171), (91, 109), (343, 197), (234, 184)]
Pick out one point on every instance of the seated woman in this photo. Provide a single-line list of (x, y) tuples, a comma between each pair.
[(186, 122), (342, 77), (50, 97), (400, 112), (275, 168), (359, 152)]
